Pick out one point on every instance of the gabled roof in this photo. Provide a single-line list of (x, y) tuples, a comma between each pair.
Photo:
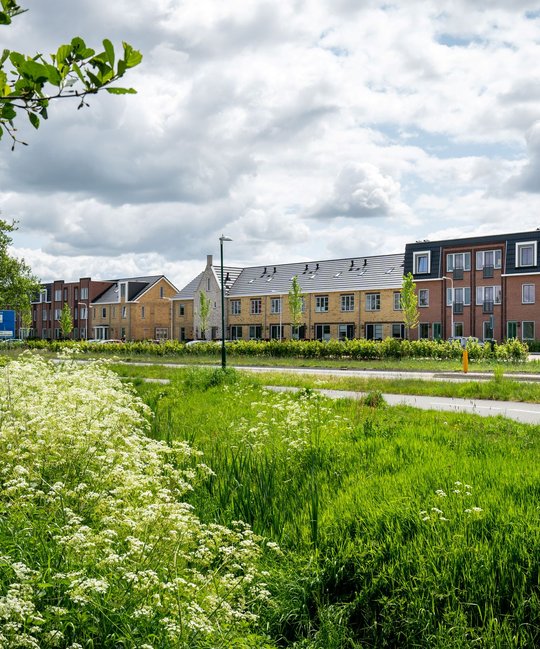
[(137, 286), (188, 292), (230, 275), (350, 274)]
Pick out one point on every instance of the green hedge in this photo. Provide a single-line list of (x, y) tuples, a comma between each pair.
[(358, 349)]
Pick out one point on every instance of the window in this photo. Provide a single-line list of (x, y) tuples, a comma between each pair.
[(181, 309), (162, 333), (321, 303), (458, 260), (236, 308), (527, 293), (104, 312), (322, 332), (397, 301), (84, 293), (526, 253), (182, 333), (421, 262), (236, 332), (124, 312), (255, 332), (276, 332), (487, 258), (162, 291), (374, 331), (256, 307), (488, 295), (373, 302), (123, 291), (275, 305), (44, 314), (346, 331), (487, 329), (461, 296), (398, 330), (83, 313), (527, 330), (423, 330), (347, 302), (423, 297), (511, 329), (207, 283), (142, 312), (58, 295), (113, 311), (458, 329), (65, 295), (437, 331), (76, 293), (57, 313)]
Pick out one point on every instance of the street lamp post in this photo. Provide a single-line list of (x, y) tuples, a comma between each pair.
[(450, 279), (223, 238)]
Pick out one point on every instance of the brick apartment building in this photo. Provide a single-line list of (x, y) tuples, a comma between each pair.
[(478, 286), (135, 308)]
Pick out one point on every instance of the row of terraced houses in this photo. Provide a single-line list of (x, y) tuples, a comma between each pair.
[(478, 286)]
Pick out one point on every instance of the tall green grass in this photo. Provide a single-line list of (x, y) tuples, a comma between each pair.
[(398, 528)]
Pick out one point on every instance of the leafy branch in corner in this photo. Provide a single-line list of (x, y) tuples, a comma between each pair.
[(75, 70)]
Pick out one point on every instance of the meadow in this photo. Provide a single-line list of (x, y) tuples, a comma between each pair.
[(209, 512)]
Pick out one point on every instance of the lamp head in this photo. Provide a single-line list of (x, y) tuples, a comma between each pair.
[(224, 238)]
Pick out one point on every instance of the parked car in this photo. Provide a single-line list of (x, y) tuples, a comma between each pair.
[(463, 340)]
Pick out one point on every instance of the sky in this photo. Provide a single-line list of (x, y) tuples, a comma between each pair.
[(301, 129)]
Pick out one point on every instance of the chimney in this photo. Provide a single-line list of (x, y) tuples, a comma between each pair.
[(209, 261)]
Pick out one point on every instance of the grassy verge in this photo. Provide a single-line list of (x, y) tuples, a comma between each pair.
[(498, 388), (398, 528)]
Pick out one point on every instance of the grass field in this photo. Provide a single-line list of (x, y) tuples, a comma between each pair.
[(398, 528)]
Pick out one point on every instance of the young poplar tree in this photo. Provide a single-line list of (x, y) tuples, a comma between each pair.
[(409, 303), (296, 301), (204, 313), (66, 321)]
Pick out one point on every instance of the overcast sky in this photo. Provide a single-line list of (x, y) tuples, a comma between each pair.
[(303, 130)]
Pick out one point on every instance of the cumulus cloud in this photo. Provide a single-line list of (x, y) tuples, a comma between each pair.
[(529, 178), (360, 191)]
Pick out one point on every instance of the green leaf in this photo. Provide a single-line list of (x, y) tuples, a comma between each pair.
[(62, 54), (4, 19), (121, 91), (109, 50), (4, 56), (34, 120), (131, 57), (35, 71), (7, 112)]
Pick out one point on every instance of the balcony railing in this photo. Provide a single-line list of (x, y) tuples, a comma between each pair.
[(458, 273), (458, 307), (488, 272), (487, 307)]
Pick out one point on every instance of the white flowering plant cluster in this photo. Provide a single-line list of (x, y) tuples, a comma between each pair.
[(96, 543), (457, 503)]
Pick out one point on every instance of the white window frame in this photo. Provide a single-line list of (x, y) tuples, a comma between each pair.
[(397, 301), (450, 295), (451, 261), (481, 256), (275, 305), (526, 322), (256, 306), (373, 301), (419, 255), (523, 290), (321, 303), (236, 332), (84, 293), (481, 295), (252, 330), (520, 245), (236, 307), (347, 302), (423, 291)]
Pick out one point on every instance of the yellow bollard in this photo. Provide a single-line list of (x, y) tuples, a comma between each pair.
[(465, 361)]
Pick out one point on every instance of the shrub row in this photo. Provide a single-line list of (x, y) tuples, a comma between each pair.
[(358, 349)]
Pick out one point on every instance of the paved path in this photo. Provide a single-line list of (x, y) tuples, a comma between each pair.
[(528, 413)]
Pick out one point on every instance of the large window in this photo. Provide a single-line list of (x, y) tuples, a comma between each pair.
[(421, 262), (84, 293), (458, 260), (423, 330), (236, 332), (526, 253), (346, 331), (256, 306), (527, 293), (276, 332), (460, 296), (488, 258), (255, 332), (423, 297), (321, 303), (511, 329), (322, 332), (374, 331), (437, 331), (347, 302), (275, 305), (527, 330), (58, 295), (488, 295), (236, 307), (373, 302), (397, 301), (398, 330)]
